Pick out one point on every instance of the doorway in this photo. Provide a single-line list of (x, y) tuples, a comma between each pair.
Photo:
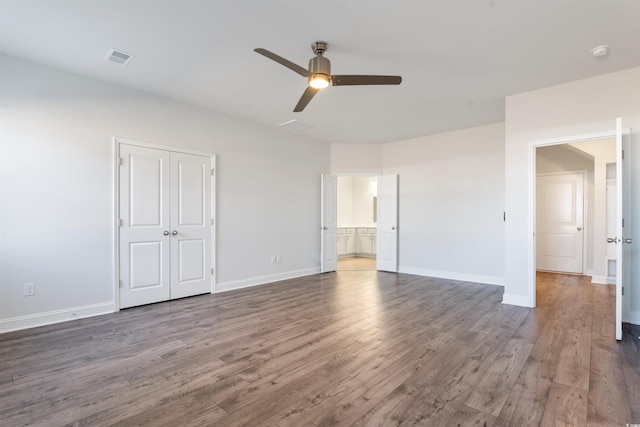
[(379, 240), (357, 223), (571, 208), (622, 140)]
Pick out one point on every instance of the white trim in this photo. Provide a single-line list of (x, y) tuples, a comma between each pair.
[(531, 199), (633, 317), (601, 280), (263, 280), (56, 316), (115, 197), (452, 275), (214, 227), (519, 300), (119, 140)]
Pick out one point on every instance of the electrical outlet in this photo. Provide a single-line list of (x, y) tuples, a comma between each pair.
[(29, 289)]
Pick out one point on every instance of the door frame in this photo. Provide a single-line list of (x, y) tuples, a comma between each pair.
[(531, 199), (115, 196), (585, 211), (376, 175)]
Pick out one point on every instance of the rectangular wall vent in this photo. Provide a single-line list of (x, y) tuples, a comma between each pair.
[(295, 125), (119, 57)]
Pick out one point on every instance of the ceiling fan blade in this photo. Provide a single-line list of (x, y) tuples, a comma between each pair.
[(305, 98), (355, 79), (280, 60)]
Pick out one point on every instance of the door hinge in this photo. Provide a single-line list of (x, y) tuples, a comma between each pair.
[(213, 172), (121, 283), (121, 222), (504, 216), (213, 271), (622, 154), (622, 222), (623, 290), (120, 161), (213, 221)]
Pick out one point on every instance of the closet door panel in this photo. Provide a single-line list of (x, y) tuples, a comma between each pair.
[(191, 225)]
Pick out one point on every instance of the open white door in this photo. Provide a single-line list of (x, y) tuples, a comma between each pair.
[(623, 232), (387, 238), (329, 224)]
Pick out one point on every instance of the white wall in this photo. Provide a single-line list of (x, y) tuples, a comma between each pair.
[(56, 181), (451, 203), (355, 201), (345, 201), (356, 159), (577, 108)]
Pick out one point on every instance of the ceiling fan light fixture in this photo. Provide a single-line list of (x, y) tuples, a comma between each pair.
[(319, 81)]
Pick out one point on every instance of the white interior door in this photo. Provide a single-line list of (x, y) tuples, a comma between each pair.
[(387, 230), (622, 240), (560, 222), (329, 224), (144, 229), (190, 225)]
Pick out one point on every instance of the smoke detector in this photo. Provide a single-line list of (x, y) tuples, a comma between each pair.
[(599, 51), (118, 57)]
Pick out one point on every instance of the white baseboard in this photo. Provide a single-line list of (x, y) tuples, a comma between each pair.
[(57, 316), (602, 280), (519, 300), (261, 280), (451, 275), (633, 318)]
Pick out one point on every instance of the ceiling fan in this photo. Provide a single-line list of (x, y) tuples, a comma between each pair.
[(319, 74)]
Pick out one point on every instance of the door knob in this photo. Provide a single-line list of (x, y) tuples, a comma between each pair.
[(325, 228), (393, 228), (579, 228), (626, 241), (174, 232), (611, 240), (166, 233)]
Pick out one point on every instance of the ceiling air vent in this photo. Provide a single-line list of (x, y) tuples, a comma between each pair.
[(295, 125), (118, 57)]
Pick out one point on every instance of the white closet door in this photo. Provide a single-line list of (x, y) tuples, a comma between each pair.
[(165, 231), (190, 225), (144, 216)]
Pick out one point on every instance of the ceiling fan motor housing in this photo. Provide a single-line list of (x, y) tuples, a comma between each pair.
[(319, 65)]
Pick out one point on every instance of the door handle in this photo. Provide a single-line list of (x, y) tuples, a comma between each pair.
[(393, 228), (626, 241), (612, 240), (174, 232), (579, 228), (325, 228), (166, 233)]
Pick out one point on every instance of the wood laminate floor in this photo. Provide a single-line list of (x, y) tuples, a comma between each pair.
[(356, 264), (352, 348)]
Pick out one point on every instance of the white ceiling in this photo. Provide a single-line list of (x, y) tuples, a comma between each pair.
[(458, 59)]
